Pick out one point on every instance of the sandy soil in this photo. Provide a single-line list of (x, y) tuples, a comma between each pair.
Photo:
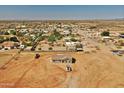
[(98, 69)]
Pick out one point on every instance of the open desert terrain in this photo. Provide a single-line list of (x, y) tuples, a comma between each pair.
[(94, 69)]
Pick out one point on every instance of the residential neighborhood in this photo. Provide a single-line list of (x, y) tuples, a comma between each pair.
[(60, 36)]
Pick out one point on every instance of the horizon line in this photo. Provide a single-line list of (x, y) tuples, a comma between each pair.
[(60, 19)]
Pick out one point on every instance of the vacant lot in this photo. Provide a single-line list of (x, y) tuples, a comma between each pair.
[(98, 69)]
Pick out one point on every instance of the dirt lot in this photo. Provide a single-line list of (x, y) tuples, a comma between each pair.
[(90, 70)]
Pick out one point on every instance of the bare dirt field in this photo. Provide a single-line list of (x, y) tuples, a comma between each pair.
[(90, 70)]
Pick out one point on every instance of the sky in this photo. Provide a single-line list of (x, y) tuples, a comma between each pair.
[(60, 12)]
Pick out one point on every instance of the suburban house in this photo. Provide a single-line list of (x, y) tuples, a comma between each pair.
[(122, 36), (9, 45), (74, 46), (106, 38), (118, 50), (65, 32)]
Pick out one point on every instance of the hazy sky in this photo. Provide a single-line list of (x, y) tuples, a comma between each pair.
[(42, 12)]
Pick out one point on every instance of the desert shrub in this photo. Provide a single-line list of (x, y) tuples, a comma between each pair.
[(105, 33), (50, 48)]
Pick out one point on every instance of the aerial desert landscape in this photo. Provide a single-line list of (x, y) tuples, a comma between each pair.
[(62, 54)]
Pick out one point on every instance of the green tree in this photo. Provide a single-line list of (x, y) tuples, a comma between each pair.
[(52, 38), (58, 36), (13, 32), (6, 33), (93, 27), (14, 39), (122, 33), (1, 39), (73, 39), (105, 33), (50, 48), (20, 34)]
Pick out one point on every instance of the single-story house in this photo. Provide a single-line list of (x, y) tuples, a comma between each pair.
[(122, 36), (9, 45), (61, 58), (74, 46)]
